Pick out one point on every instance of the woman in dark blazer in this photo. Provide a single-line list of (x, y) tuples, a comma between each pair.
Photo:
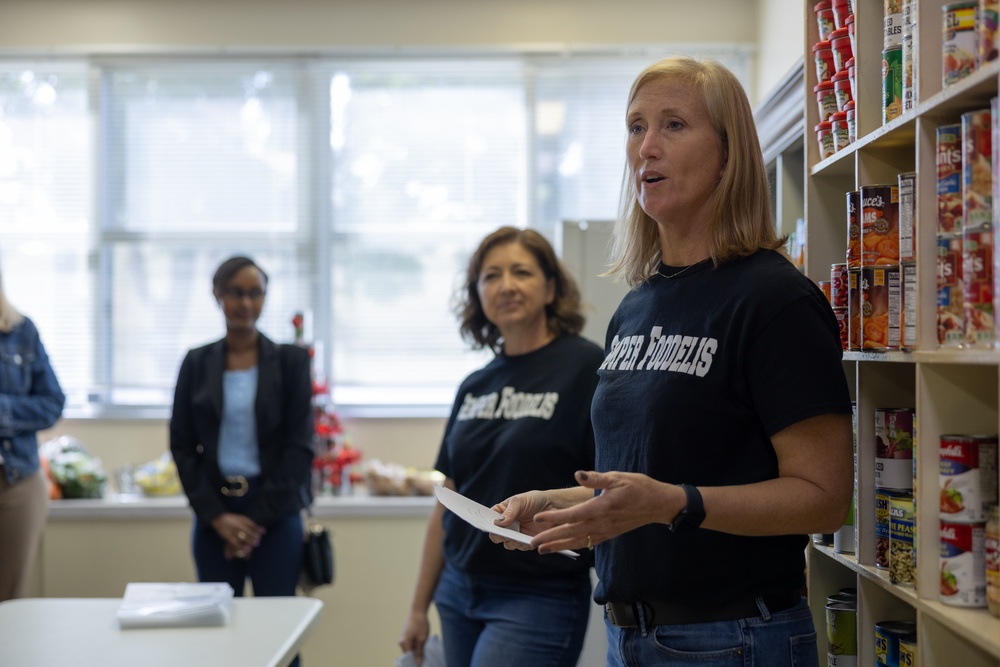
[(241, 436)]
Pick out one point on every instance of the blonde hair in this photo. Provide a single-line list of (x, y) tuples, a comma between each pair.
[(740, 206), (10, 317)]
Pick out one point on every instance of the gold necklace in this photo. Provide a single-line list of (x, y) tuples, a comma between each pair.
[(674, 275)]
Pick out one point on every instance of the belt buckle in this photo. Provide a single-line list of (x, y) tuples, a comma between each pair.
[(241, 486)]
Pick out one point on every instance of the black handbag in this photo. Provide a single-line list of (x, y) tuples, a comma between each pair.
[(317, 557)]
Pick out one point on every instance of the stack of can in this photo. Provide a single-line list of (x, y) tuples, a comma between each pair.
[(842, 628), (881, 266), (895, 438), (835, 86), (968, 491), (966, 315)]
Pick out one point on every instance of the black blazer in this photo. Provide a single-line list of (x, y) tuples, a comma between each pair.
[(284, 429)]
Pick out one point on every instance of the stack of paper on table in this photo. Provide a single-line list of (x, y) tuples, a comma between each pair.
[(175, 605)]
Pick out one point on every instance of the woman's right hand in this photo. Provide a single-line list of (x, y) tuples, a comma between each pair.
[(415, 636), (240, 533)]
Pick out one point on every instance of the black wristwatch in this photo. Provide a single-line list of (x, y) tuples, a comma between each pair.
[(689, 518)]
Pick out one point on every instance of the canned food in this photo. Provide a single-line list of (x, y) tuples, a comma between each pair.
[(908, 651), (988, 40), (977, 285), (908, 56), (907, 188), (826, 99), (879, 225), (968, 477), (949, 178), (909, 308), (977, 169), (888, 635), (838, 127), (950, 309), (854, 308), (902, 528), (883, 498), (842, 633), (824, 287), (824, 139), (854, 229), (843, 325), (840, 41), (881, 296), (991, 548), (838, 285), (892, 83), (963, 564), (893, 22), (823, 56), (894, 437), (959, 43), (824, 18)]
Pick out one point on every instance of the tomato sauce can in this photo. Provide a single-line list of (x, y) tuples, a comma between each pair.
[(892, 83), (949, 178), (902, 530), (967, 477), (950, 288), (854, 309), (854, 229), (977, 168), (879, 225), (907, 187), (909, 308), (963, 564), (959, 41), (977, 285), (838, 285), (888, 635), (881, 298)]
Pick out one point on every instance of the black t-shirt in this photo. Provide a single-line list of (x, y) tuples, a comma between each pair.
[(519, 423), (700, 371)]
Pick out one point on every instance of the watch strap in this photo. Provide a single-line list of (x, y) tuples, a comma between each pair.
[(693, 513)]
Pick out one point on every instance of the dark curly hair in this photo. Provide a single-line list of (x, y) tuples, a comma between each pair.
[(229, 268), (563, 315)]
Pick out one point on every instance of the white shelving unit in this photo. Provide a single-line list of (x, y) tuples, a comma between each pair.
[(953, 391)]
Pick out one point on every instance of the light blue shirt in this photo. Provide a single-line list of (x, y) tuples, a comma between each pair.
[(239, 452)]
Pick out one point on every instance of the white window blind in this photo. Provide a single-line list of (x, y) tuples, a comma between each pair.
[(361, 185)]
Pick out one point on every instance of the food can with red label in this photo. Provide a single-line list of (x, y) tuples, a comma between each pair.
[(824, 287), (977, 285), (968, 477), (879, 225), (854, 229), (843, 325), (881, 298), (907, 216), (894, 437), (959, 42), (977, 168), (902, 530), (949, 178), (909, 327), (838, 285), (950, 309), (963, 564), (854, 308)]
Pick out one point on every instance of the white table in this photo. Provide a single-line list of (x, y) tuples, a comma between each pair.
[(84, 632)]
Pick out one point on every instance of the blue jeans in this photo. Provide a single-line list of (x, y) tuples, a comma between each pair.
[(784, 639), (489, 621)]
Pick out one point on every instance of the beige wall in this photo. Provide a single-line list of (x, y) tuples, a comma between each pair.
[(780, 41)]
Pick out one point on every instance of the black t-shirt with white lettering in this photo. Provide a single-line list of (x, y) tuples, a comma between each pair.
[(701, 370), (519, 423)]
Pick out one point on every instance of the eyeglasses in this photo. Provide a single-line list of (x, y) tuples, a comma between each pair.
[(237, 294)]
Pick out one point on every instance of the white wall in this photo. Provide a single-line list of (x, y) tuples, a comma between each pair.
[(780, 42)]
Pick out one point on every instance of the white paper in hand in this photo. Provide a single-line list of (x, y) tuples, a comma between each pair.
[(433, 655), (482, 517)]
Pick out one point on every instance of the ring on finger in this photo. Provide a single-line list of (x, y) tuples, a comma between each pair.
[(241, 536), (590, 543)]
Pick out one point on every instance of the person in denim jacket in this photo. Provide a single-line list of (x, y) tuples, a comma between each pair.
[(30, 401)]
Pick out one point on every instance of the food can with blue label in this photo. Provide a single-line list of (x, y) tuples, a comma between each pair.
[(888, 635), (902, 531)]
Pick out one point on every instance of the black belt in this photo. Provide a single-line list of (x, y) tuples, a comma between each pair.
[(625, 614)]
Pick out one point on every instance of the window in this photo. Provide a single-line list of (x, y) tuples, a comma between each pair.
[(361, 185)]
